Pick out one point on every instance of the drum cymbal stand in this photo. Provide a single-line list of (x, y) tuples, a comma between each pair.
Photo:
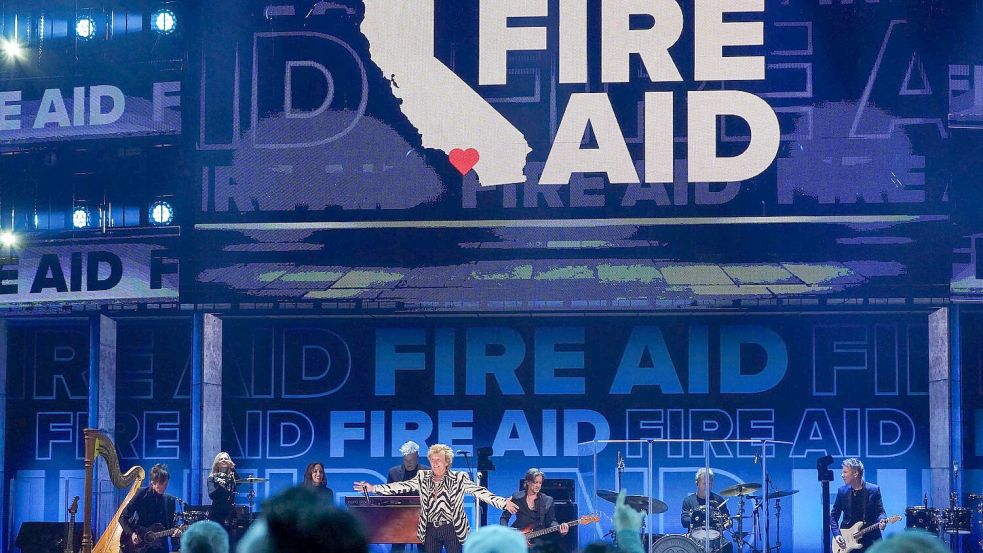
[(740, 523), (756, 523), (778, 525)]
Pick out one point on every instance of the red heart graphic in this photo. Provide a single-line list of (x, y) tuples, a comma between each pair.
[(464, 160)]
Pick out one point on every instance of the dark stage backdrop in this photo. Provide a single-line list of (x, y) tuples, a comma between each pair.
[(348, 393), (47, 408)]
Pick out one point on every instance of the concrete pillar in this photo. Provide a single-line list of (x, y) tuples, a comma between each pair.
[(102, 406), (206, 401), (3, 429), (944, 402)]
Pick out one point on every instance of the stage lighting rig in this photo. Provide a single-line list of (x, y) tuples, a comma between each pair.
[(11, 49), (81, 217), (161, 213), (85, 27), (163, 21)]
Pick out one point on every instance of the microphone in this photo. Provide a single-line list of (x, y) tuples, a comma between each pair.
[(461, 452)]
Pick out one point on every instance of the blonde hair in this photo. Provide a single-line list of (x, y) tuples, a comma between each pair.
[(441, 449), (219, 458)]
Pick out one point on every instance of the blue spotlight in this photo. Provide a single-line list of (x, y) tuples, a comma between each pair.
[(85, 27), (163, 21), (161, 213), (81, 217)]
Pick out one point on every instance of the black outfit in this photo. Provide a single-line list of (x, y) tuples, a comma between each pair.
[(222, 492), (541, 516), (323, 488), (400, 474), (145, 509), (863, 505)]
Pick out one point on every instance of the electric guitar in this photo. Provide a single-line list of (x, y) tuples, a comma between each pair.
[(70, 538), (148, 537), (530, 533), (853, 534)]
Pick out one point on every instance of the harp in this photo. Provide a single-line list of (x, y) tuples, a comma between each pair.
[(98, 444)]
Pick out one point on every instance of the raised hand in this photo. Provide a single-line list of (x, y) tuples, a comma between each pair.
[(626, 518)]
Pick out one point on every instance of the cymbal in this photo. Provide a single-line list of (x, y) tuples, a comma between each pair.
[(252, 480), (637, 502), (778, 494), (740, 489)]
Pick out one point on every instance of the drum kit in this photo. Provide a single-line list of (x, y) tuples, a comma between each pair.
[(953, 521), (711, 524)]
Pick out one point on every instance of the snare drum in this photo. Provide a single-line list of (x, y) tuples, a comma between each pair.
[(925, 518), (957, 521), (698, 530)]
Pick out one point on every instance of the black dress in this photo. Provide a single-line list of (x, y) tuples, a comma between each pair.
[(222, 492)]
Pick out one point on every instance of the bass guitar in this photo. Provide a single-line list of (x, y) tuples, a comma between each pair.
[(853, 534), (530, 533)]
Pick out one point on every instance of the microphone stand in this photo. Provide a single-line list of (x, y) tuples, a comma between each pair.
[(477, 504)]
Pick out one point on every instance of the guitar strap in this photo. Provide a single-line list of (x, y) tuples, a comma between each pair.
[(864, 493)]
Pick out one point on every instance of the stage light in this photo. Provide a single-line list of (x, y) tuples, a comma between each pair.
[(161, 213), (163, 21), (85, 27), (81, 217), (12, 49), (8, 239)]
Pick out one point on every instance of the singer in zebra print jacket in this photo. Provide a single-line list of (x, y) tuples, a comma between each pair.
[(443, 523)]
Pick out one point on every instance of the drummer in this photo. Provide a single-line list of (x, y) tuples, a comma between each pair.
[(694, 501)]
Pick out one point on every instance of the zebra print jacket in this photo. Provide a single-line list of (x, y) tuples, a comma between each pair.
[(458, 483)]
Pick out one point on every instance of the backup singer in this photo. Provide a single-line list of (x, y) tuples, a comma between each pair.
[(536, 510), (443, 524), (314, 478), (151, 505), (222, 490), (858, 500)]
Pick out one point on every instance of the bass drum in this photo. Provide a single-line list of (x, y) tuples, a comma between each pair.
[(925, 518), (676, 543)]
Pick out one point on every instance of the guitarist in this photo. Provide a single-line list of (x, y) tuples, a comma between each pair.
[(535, 508), (150, 505), (857, 501)]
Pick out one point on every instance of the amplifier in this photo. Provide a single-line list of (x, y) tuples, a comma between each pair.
[(560, 489)]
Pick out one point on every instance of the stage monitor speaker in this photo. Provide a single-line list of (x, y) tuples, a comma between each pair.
[(560, 489), (565, 512), (46, 537)]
